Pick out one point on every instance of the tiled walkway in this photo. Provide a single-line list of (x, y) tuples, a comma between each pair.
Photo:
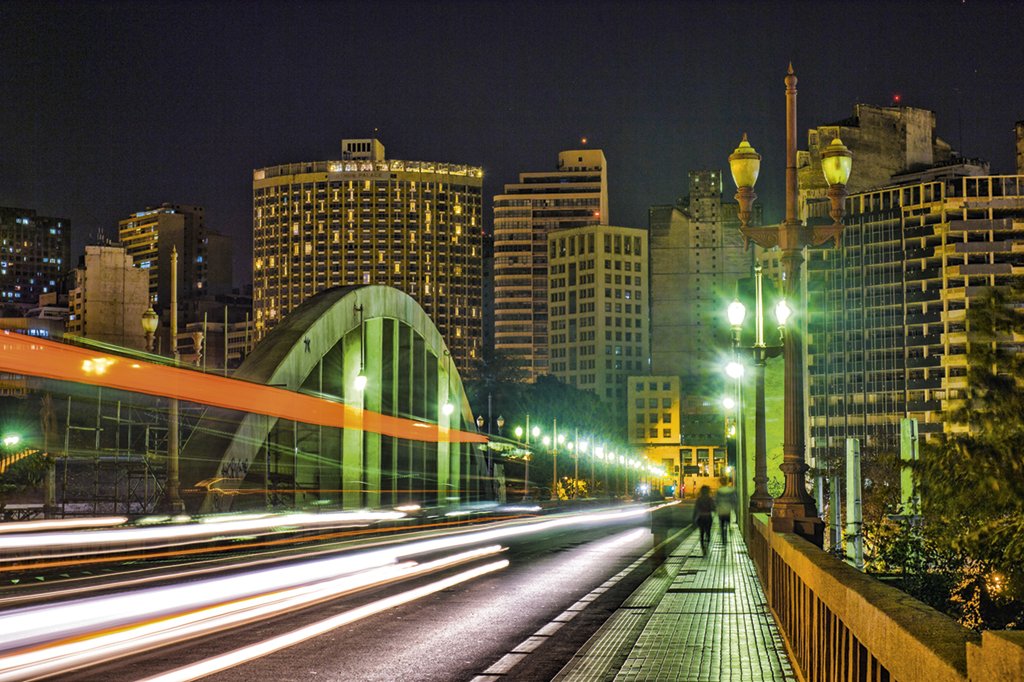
[(696, 619)]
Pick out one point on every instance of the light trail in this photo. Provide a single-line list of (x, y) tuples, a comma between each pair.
[(53, 545), (116, 641), (254, 651), (85, 631), (61, 524), (36, 357)]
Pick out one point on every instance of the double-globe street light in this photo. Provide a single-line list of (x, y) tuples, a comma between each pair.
[(794, 510), (759, 352)]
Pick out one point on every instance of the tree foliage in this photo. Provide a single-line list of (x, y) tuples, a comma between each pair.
[(972, 478)]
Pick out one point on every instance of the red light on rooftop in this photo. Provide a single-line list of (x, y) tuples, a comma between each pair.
[(896, 98)]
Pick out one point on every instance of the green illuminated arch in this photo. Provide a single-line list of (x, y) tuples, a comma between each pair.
[(319, 349)]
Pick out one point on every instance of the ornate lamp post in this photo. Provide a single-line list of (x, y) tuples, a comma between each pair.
[(794, 510), (761, 499)]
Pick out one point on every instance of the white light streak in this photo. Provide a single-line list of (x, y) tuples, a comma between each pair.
[(254, 651)]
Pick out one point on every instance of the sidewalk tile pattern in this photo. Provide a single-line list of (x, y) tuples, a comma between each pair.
[(696, 619)]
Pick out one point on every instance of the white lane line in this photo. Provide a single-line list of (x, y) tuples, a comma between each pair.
[(509, 661)]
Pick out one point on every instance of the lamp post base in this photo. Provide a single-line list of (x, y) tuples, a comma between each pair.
[(761, 504), (810, 528)]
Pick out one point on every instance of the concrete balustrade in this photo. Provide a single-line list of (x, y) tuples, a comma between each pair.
[(841, 624)]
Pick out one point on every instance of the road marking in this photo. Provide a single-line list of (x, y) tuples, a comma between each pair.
[(505, 664)]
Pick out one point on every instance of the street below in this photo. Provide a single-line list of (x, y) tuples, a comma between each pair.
[(450, 626)]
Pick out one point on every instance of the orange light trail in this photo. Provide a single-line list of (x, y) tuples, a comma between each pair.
[(30, 356)]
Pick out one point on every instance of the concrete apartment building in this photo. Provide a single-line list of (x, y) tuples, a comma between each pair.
[(887, 336), (573, 195), (696, 258), (109, 297), (366, 219), (597, 308), (34, 253), (204, 256), (1019, 137)]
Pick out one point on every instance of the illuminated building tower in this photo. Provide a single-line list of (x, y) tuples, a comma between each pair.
[(34, 252), (597, 308), (365, 219), (574, 195), (696, 258), (887, 329), (204, 256)]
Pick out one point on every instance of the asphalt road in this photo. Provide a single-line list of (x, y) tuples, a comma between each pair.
[(454, 634)]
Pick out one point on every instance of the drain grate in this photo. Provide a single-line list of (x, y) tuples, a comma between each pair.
[(702, 590)]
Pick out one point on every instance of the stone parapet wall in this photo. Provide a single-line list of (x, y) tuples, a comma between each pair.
[(841, 624)]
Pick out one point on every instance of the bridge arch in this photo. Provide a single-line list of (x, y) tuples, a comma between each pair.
[(320, 348)]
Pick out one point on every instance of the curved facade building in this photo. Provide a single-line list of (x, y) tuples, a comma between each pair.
[(413, 225)]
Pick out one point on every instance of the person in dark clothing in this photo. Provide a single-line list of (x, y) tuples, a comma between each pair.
[(702, 513), (725, 502)]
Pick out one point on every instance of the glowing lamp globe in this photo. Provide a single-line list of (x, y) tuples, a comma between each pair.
[(150, 321), (836, 163), (782, 312), (745, 164), (736, 312)]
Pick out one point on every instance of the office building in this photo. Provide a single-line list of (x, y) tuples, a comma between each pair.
[(696, 258), (1019, 138), (34, 253), (885, 141), (366, 219), (573, 195), (109, 297), (204, 256), (887, 336), (597, 308)]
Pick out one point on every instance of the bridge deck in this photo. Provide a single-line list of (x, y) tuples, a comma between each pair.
[(695, 619)]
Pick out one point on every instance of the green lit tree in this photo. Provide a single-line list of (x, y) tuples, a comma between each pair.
[(972, 478)]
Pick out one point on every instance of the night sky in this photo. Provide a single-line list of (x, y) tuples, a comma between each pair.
[(108, 107)]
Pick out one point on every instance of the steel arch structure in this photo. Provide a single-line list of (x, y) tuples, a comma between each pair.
[(320, 349)]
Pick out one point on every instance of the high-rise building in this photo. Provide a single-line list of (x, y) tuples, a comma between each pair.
[(1019, 137), (365, 219), (885, 141), (696, 258), (597, 308), (109, 298), (887, 336), (34, 252), (204, 256), (573, 195)]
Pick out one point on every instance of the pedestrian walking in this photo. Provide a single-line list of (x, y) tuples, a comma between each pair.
[(725, 502), (702, 512)]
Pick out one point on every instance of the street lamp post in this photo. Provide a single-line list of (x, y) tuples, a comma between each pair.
[(761, 499), (795, 509), (174, 501)]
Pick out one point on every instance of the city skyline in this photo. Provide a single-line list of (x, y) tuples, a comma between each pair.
[(116, 106)]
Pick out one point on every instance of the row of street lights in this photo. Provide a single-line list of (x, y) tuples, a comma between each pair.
[(529, 437)]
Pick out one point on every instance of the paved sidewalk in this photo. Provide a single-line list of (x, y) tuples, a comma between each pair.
[(695, 619)]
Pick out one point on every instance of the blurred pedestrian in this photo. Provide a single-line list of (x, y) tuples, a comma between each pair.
[(702, 511), (725, 502)]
